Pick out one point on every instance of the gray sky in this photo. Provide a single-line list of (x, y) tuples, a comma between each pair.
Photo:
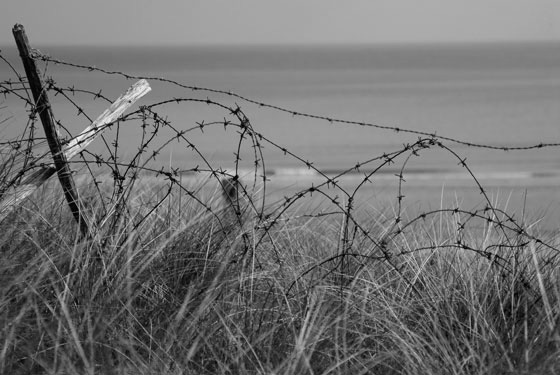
[(283, 21)]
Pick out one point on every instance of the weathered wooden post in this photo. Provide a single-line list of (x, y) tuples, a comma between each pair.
[(74, 146), (59, 152), (43, 108)]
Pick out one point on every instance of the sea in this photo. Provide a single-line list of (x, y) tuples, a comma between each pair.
[(501, 95)]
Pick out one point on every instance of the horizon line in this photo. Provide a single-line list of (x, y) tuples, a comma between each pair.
[(303, 45)]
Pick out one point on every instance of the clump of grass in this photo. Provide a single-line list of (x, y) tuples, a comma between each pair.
[(183, 289)]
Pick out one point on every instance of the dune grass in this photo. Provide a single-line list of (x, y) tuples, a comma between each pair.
[(177, 279), (187, 291)]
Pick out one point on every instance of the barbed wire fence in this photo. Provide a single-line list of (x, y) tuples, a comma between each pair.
[(25, 153)]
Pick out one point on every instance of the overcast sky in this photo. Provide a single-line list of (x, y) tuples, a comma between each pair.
[(175, 22)]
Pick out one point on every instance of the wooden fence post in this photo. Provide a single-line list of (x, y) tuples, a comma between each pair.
[(43, 108), (76, 145)]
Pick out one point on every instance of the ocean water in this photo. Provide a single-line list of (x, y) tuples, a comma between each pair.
[(493, 94)]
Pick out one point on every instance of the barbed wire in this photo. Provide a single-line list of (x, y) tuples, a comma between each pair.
[(44, 57), (126, 170)]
